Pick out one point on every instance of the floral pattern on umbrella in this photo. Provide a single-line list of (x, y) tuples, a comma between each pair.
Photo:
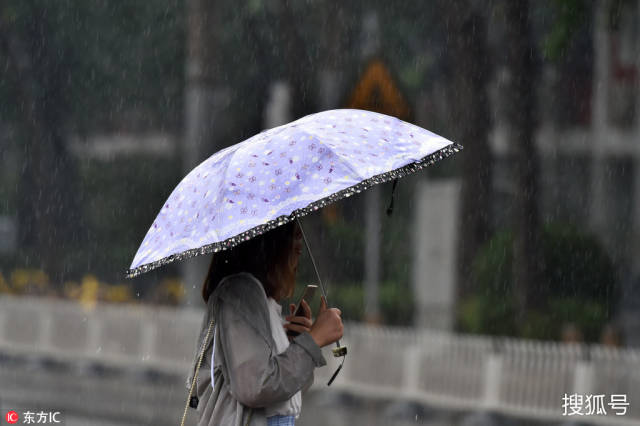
[(280, 174)]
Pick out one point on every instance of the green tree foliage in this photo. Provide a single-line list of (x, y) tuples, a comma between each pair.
[(578, 285), (78, 68), (568, 18), (118, 62)]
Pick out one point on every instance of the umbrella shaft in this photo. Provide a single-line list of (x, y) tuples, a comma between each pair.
[(313, 261), (315, 268)]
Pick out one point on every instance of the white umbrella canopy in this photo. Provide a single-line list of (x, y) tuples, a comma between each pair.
[(282, 174)]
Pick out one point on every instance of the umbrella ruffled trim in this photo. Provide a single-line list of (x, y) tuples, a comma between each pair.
[(301, 212)]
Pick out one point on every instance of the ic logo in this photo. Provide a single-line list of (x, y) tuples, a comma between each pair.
[(12, 417)]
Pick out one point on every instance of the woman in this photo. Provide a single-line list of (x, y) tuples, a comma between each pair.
[(258, 374)]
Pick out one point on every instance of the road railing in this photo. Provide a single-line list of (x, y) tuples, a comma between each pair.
[(514, 376)]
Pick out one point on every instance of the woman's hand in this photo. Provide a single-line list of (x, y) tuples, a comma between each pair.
[(299, 324), (328, 325)]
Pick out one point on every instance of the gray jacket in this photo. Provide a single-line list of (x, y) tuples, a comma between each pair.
[(248, 374)]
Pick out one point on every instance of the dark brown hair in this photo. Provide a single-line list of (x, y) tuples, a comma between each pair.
[(266, 256)]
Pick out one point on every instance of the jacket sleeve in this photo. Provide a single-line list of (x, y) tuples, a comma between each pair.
[(257, 376), (307, 385)]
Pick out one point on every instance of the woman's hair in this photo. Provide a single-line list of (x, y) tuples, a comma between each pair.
[(266, 256)]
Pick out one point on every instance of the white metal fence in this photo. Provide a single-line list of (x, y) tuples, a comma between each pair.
[(512, 376)]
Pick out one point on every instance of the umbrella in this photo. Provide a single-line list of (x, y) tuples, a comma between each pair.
[(278, 176), (282, 174)]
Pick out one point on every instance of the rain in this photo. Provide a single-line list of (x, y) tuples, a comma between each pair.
[(490, 277)]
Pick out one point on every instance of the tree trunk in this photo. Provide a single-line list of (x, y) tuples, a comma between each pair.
[(332, 61), (471, 113), (299, 66), (301, 74), (527, 255), (205, 98)]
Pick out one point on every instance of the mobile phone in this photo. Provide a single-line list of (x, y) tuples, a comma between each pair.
[(308, 294)]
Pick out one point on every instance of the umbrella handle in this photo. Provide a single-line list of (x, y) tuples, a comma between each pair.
[(339, 351)]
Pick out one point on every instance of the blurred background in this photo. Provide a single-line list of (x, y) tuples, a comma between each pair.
[(506, 278)]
